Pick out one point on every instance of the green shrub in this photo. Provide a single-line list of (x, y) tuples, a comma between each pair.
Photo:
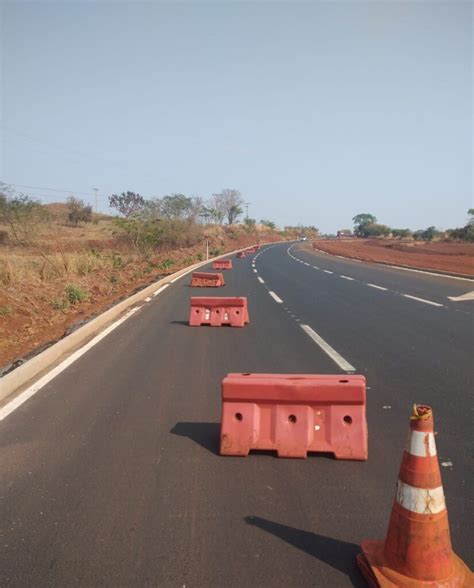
[(5, 310), (59, 303), (114, 279), (74, 294)]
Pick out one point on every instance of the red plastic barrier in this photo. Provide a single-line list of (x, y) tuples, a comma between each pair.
[(218, 311), (294, 414), (207, 280), (241, 254), (222, 264)]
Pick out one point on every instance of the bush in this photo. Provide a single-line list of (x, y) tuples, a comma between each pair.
[(78, 211), (5, 310), (59, 303), (74, 294)]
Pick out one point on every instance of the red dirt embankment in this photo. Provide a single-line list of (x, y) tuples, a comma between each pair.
[(441, 256)]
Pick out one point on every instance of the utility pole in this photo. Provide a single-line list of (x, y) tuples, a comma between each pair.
[(247, 210), (96, 190)]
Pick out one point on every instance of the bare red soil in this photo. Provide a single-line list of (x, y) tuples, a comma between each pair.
[(457, 258)]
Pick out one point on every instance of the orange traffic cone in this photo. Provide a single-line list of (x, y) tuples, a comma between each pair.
[(417, 551)]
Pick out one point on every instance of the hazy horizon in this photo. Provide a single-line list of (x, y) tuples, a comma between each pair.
[(315, 111)]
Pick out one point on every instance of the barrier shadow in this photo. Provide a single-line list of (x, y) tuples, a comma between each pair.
[(340, 555), (186, 323), (206, 435)]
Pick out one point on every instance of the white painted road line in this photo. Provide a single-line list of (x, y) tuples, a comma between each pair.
[(156, 292), (260, 280), (31, 391), (375, 286), (333, 354), (347, 278), (255, 271), (315, 267), (463, 297), (327, 272), (275, 297), (422, 300)]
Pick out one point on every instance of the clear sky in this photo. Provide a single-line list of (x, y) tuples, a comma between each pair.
[(315, 111)]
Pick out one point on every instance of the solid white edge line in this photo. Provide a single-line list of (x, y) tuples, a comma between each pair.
[(31, 391), (410, 269), (156, 292), (275, 297), (375, 286), (333, 354), (347, 278), (260, 280), (422, 300)]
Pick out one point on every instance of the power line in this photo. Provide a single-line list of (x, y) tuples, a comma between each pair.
[(56, 190)]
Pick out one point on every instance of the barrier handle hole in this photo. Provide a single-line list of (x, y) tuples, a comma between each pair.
[(344, 381), (237, 312), (292, 418), (347, 419), (238, 416)]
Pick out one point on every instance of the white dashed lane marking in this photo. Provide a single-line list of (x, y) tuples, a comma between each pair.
[(347, 278), (260, 280), (327, 272), (324, 345), (377, 287), (422, 300), (275, 297)]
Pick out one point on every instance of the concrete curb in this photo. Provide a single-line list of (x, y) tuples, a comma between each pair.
[(18, 379)]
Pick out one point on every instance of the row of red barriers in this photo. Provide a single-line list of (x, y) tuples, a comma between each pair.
[(296, 414)]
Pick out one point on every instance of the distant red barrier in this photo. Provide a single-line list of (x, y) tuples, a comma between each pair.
[(241, 254), (222, 264), (218, 311), (207, 280), (294, 414)]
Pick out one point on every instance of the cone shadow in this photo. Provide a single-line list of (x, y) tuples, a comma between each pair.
[(340, 555), (206, 435)]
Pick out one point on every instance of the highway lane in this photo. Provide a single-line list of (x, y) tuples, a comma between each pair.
[(110, 474)]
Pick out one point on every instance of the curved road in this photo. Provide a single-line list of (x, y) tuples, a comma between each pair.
[(110, 474)]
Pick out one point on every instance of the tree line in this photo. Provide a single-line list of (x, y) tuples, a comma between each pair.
[(366, 225)]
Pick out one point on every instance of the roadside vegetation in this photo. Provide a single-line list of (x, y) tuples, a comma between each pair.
[(366, 225), (61, 263)]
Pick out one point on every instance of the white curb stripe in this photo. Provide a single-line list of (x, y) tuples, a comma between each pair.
[(31, 391), (421, 444), (420, 500), (156, 292)]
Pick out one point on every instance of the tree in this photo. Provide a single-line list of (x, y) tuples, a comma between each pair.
[(402, 233), (250, 223), (269, 224), (232, 205), (127, 203), (376, 230), (22, 214), (79, 212), (361, 222)]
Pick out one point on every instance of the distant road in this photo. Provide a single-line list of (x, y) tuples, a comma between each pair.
[(110, 473)]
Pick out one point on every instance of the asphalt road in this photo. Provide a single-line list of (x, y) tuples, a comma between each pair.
[(110, 476)]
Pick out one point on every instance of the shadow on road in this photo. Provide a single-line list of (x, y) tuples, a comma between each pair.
[(340, 555), (204, 434), (186, 323)]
